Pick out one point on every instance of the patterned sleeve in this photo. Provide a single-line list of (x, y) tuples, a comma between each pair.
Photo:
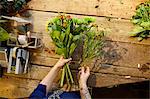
[(39, 92)]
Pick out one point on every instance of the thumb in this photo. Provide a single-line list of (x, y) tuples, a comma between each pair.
[(67, 60)]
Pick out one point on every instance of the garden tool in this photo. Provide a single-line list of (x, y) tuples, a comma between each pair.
[(18, 60), (18, 19)]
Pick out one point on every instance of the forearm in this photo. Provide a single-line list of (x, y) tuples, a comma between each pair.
[(84, 92), (48, 80)]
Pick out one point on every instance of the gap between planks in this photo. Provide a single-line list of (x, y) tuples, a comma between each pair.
[(115, 8), (118, 29)]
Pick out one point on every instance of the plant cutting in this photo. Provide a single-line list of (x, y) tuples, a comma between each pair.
[(67, 34), (3, 33), (142, 21), (12, 7)]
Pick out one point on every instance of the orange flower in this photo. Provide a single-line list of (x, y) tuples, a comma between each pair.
[(68, 16), (62, 17)]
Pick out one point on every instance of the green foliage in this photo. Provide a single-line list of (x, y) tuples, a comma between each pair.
[(11, 7), (3, 34), (93, 44), (142, 21), (67, 33), (18, 4)]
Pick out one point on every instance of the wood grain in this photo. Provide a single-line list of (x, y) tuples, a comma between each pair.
[(112, 8), (121, 57), (116, 29), (39, 72), (105, 80), (13, 87), (19, 86), (124, 51), (114, 53)]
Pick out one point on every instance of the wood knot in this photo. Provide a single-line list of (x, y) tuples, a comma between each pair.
[(96, 6)]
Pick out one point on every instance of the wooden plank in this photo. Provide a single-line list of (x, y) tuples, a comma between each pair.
[(125, 54), (104, 80), (35, 72), (39, 72), (44, 60), (115, 53), (14, 87), (11, 87), (112, 8), (117, 29), (122, 71), (113, 72)]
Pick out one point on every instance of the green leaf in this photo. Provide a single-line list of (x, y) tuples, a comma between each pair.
[(88, 20), (3, 34), (58, 44), (75, 20), (76, 38), (62, 37), (91, 34), (56, 19), (67, 32), (135, 21), (145, 24), (72, 48), (60, 51), (55, 34), (142, 20), (136, 31), (69, 40)]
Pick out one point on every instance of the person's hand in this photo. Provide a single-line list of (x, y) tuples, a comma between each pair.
[(61, 62), (84, 75)]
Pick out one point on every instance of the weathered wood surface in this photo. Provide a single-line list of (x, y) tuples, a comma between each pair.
[(123, 51), (26, 83), (122, 54), (115, 53), (13, 87), (116, 29), (39, 72), (142, 71), (112, 8)]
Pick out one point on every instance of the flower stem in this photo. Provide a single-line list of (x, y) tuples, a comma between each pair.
[(62, 77), (70, 75), (67, 76)]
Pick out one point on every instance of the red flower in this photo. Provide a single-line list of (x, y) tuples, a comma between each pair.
[(62, 17), (68, 16)]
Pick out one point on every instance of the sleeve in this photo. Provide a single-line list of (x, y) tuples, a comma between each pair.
[(39, 92)]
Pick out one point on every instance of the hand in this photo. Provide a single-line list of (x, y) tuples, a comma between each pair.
[(84, 75), (61, 62)]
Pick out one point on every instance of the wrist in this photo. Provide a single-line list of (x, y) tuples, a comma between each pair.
[(84, 90), (83, 85), (56, 67)]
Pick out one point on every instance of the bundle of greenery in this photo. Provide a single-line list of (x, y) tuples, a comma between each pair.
[(142, 21), (12, 7), (67, 34)]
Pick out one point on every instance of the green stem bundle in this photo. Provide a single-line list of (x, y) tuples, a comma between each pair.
[(66, 73)]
